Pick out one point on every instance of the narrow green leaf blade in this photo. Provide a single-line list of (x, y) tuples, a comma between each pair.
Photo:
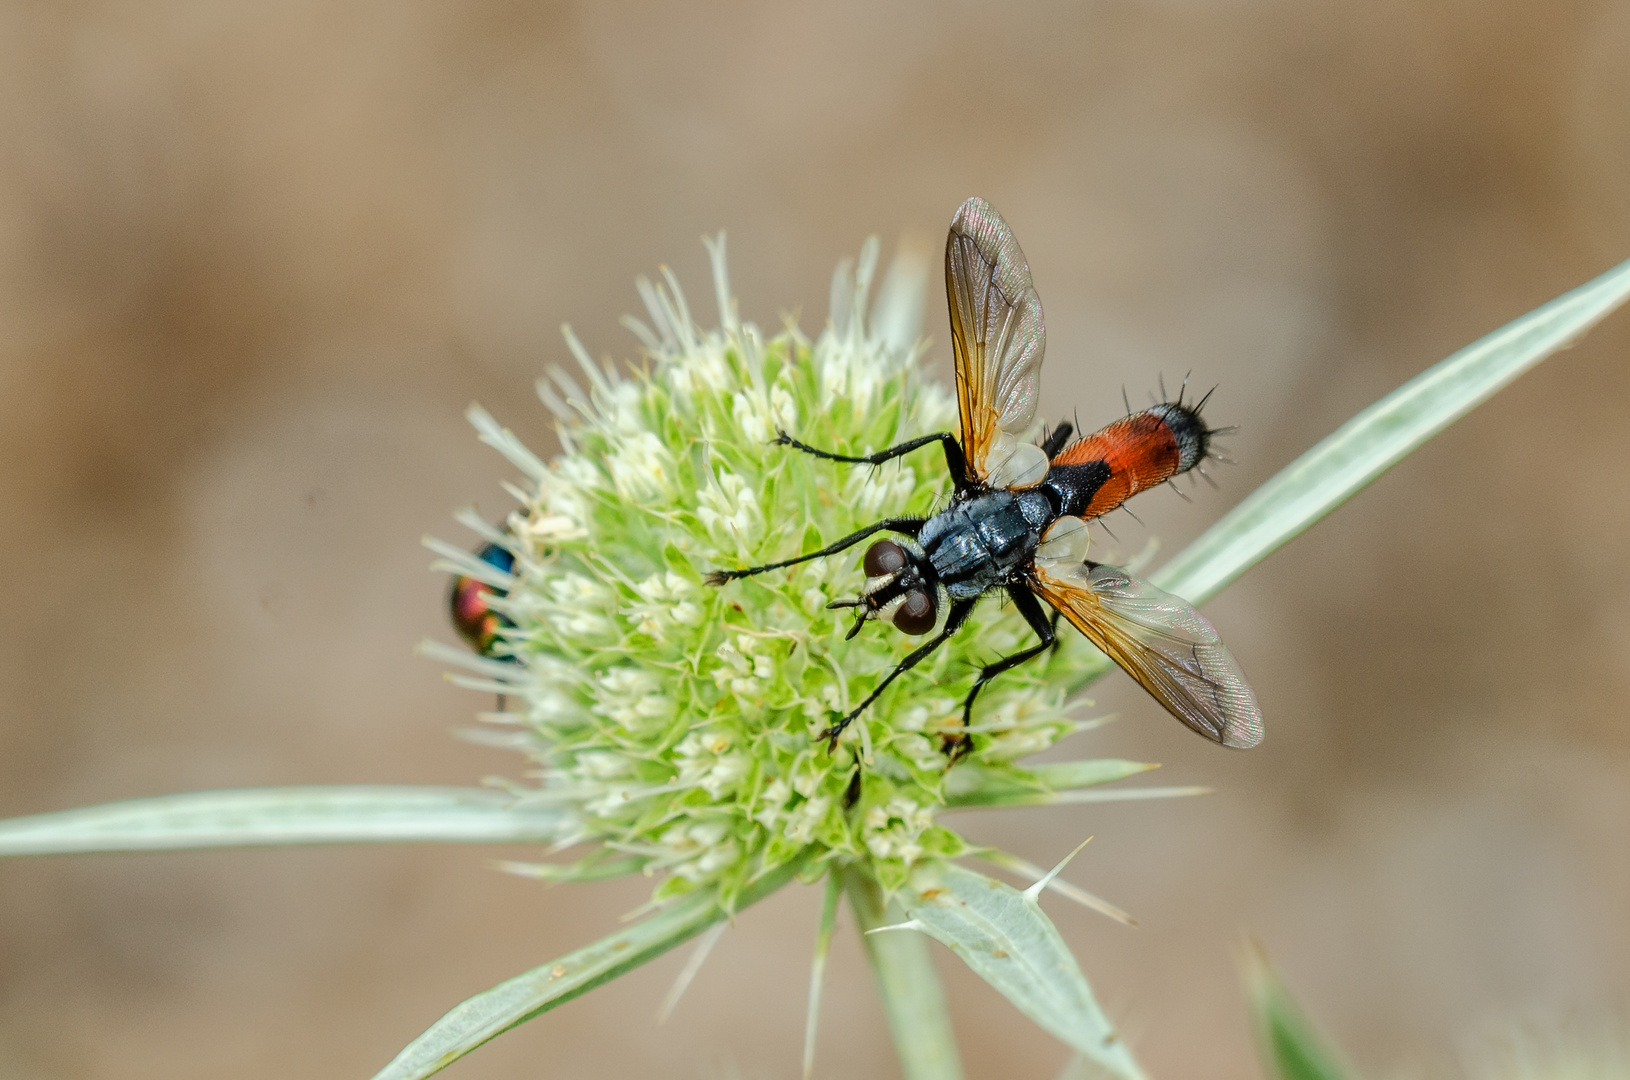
[(817, 967), (1290, 1047), (1005, 938), (257, 817), (971, 785), (913, 999), (493, 1012), (1379, 437)]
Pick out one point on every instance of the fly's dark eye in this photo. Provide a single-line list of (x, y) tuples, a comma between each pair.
[(915, 615), (883, 558)]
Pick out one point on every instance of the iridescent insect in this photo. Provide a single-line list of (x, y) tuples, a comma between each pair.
[(1017, 520), (473, 617)]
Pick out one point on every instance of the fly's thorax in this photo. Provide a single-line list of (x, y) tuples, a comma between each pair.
[(1038, 509), (985, 541)]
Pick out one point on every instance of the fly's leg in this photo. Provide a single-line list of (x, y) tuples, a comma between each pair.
[(1057, 438), (1025, 601), (908, 526), (953, 622), (954, 461)]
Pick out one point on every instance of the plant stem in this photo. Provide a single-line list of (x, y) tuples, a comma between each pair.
[(908, 985)]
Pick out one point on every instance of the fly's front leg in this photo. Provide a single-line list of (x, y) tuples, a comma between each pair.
[(908, 526), (1025, 601), (953, 622), (954, 461)]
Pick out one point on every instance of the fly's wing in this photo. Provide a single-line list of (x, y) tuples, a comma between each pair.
[(1162, 642), (997, 332)]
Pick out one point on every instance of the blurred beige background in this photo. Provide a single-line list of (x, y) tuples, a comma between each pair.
[(256, 258)]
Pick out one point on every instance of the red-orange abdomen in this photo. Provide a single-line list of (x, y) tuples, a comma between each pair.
[(1139, 452)]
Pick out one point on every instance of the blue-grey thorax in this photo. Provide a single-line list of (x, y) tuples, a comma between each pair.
[(984, 542)]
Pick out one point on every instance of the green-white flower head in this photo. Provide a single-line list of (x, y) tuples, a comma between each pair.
[(682, 722)]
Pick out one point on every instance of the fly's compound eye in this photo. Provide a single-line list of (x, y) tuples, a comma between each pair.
[(884, 558), (916, 614)]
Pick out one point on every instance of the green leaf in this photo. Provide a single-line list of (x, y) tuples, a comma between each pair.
[(910, 988), (257, 817), (817, 967), (1291, 1049), (971, 784), (493, 1012), (1005, 938), (597, 866), (1379, 437)]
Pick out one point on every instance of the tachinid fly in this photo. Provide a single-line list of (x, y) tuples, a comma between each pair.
[(1017, 520)]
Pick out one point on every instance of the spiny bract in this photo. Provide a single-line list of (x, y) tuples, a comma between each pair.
[(680, 722)]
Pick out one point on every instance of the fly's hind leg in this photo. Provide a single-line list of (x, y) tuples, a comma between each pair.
[(1025, 601)]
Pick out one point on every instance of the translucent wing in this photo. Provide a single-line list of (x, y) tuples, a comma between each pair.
[(1162, 642), (997, 332)]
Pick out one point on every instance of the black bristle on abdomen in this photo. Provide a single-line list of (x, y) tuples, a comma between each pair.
[(1193, 438)]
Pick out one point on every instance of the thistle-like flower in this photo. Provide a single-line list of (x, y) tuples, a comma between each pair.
[(680, 723)]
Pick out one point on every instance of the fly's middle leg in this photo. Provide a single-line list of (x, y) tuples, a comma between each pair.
[(1025, 601), (906, 526)]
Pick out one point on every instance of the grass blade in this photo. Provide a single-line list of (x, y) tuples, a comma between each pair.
[(817, 967), (257, 817), (1005, 938), (1290, 1047), (493, 1012), (1382, 435), (910, 988), (974, 785)]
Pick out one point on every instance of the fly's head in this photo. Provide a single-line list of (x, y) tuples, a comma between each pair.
[(900, 587)]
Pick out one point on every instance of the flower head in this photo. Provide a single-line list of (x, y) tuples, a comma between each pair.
[(682, 722)]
